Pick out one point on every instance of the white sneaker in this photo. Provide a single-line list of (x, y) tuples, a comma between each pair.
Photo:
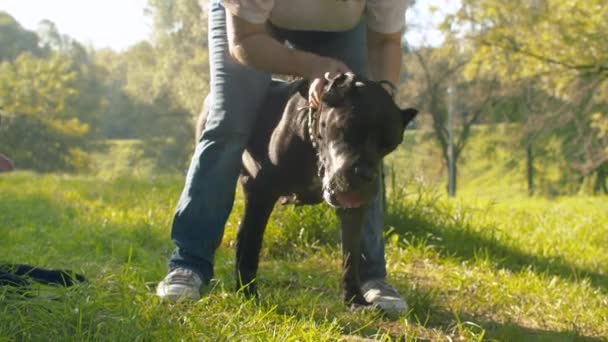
[(181, 283), (384, 296)]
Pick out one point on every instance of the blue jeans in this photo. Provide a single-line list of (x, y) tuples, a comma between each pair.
[(236, 91)]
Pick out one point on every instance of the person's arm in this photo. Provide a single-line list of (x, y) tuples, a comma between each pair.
[(250, 44), (384, 56), (386, 22)]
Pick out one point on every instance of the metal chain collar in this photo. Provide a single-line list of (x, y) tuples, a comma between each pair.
[(315, 136)]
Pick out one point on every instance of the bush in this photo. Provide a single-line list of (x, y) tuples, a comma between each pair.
[(40, 130)]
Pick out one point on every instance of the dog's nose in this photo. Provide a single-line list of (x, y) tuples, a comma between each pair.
[(364, 173)]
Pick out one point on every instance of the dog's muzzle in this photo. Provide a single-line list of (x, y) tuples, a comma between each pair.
[(347, 200), (351, 188)]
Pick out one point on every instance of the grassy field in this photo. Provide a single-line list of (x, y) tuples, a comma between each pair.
[(492, 164), (485, 269)]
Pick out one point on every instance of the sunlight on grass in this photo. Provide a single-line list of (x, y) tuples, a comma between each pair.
[(471, 268)]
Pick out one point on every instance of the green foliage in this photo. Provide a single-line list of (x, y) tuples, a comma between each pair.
[(169, 141), (537, 65), (556, 46), (121, 117), (33, 85), (15, 40), (70, 98), (557, 39), (41, 129), (497, 269), (51, 103), (180, 37), (139, 108)]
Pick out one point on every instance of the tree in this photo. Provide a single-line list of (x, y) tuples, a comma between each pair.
[(41, 130), (431, 72), (560, 46), (118, 117), (179, 35), (137, 109), (89, 104), (15, 40)]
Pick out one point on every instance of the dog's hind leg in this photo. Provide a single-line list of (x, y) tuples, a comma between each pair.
[(258, 206)]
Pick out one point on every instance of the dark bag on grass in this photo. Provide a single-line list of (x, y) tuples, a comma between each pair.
[(19, 275)]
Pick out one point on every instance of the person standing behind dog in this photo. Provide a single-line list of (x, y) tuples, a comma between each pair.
[(246, 46)]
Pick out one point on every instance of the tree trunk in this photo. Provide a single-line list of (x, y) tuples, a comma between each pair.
[(455, 174), (530, 169), (600, 181), (455, 179)]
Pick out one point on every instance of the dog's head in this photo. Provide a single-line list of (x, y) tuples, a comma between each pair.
[(358, 124)]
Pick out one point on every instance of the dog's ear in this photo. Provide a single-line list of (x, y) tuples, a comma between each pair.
[(408, 115)]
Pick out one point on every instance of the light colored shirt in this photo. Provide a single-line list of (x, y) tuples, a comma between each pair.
[(383, 16)]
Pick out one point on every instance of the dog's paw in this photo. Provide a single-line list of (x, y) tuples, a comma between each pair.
[(249, 291)]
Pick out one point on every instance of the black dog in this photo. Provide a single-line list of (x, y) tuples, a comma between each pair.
[(302, 156)]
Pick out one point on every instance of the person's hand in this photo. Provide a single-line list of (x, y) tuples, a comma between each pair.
[(324, 69)]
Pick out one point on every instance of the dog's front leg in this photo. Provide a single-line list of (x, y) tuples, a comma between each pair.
[(351, 225)]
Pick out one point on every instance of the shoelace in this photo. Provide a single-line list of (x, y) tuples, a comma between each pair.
[(184, 277)]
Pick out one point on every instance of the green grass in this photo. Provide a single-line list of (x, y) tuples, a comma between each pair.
[(472, 268)]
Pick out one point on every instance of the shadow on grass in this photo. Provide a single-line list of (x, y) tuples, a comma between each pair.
[(454, 239), (283, 290), (470, 328), (513, 332)]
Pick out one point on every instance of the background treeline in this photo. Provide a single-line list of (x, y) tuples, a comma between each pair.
[(61, 101), (527, 78), (528, 87)]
